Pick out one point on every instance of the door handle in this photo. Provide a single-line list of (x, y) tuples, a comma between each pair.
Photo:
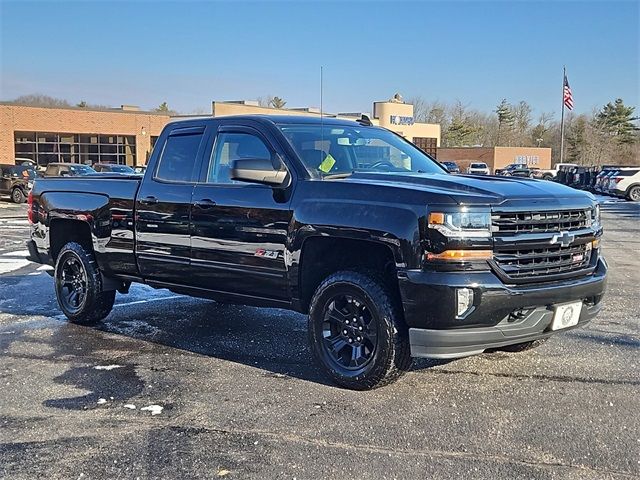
[(150, 200), (204, 203)]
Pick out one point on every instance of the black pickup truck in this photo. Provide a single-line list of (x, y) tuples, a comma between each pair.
[(390, 255)]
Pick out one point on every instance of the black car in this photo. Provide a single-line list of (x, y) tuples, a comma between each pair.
[(514, 170), (391, 256), (16, 181), (67, 170), (113, 168), (452, 167)]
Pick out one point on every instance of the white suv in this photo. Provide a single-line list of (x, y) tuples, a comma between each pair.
[(478, 168), (626, 183)]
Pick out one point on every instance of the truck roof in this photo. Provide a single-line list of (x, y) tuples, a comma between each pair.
[(274, 119)]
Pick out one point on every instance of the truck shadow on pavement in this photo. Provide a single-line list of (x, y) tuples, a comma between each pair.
[(272, 340)]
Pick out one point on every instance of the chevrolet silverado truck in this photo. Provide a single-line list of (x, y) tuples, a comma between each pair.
[(389, 255)]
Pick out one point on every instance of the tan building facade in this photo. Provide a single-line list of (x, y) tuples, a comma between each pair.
[(127, 135), (79, 135), (394, 115), (496, 157)]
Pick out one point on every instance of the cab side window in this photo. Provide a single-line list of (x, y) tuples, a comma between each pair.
[(233, 146), (178, 157)]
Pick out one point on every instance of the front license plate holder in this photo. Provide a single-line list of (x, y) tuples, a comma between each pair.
[(566, 315)]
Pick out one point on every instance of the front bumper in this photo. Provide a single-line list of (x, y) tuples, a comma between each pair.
[(501, 315)]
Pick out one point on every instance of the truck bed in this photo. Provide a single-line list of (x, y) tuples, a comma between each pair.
[(107, 201)]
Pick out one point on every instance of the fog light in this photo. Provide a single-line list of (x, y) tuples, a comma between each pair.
[(464, 297)]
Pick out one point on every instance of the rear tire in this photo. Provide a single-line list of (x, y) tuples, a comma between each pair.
[(634, 194), (79, 286), (356, 332), (18, 196)]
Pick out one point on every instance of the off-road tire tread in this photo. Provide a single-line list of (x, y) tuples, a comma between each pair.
[(99, 303), (399, 362)]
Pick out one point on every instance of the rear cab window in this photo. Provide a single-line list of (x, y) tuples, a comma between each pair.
[(179, 155)]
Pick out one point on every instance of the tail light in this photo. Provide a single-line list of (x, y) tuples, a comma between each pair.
[(30, 207), (617, 180)]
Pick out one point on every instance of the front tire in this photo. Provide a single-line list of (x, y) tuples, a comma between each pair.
[(18, 196), (356, 332), (79, 286)]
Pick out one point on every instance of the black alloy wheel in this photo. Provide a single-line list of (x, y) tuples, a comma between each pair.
[(349, 331), (357, 332), (72, 283), (79, 287)]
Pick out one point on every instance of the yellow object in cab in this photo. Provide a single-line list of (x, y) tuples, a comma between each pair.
[(327, 164)]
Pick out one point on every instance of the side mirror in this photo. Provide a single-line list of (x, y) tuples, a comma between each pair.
[(264, 171)]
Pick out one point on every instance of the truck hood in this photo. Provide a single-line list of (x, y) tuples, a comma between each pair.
[(479, 189)]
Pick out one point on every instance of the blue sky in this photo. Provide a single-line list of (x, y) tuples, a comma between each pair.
[(189, 53)]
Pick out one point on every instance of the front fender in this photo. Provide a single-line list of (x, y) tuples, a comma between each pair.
[(390, 224)]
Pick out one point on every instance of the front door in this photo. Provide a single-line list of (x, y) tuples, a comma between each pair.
[(239, 230), (163, 206)]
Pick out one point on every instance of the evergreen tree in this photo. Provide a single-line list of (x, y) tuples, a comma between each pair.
[(616, 120), (277, 102), (163, 107), (506, 118)]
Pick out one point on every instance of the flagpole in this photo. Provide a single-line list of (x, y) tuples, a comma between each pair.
[(564, 75)]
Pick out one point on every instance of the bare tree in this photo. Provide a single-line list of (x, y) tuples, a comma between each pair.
[(40, 100)]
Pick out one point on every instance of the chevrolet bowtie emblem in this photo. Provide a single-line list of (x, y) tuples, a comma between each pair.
[(563, 238)]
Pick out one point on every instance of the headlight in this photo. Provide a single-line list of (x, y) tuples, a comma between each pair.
[(461, 224), (595, 215)]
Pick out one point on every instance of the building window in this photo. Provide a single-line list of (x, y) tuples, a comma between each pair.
[(46, 147), (427, 144)]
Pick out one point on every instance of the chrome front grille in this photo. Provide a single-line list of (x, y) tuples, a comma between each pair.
[(542, 251)]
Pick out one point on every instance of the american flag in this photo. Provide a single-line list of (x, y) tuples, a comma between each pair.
[(567, 95)]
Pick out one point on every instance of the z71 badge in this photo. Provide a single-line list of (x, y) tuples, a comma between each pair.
[(261, 252)]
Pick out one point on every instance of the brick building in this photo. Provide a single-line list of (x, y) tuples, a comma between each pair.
[(496, 157), (126, 135), (82, 135)]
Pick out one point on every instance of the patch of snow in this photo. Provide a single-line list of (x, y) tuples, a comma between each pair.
[(18, 253), (107, 367), (154, 409), (8, 265), (130, 406), (102, 401)]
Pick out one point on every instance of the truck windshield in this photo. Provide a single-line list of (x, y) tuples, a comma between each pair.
[(335, 150)]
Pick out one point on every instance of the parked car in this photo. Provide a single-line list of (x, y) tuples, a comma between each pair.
[(390, 255), (478, 168), (514, 170), (625, 183), (551, 174), (113, 168), (67, 170), (16, 181), (452, 167), (140, 169)]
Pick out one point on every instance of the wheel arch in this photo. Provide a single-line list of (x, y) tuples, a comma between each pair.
[(322, 256)]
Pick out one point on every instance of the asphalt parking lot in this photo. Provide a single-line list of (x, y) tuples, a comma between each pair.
[(174, 387)]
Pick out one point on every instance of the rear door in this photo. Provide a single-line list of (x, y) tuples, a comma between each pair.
[(163, 205), (5, 179), (238, 229)]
